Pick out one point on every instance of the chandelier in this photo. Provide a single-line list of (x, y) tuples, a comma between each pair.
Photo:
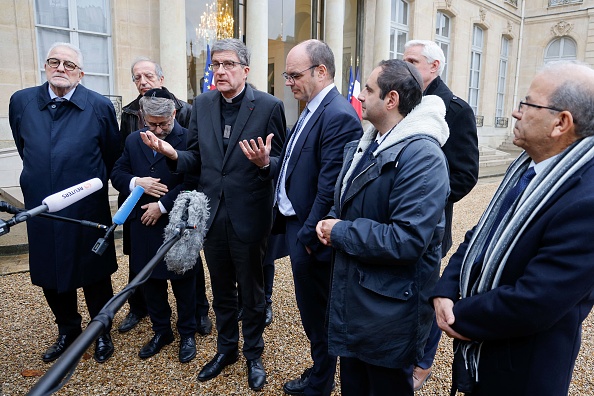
[(216, 22)]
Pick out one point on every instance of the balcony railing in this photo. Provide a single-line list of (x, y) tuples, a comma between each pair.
[(553, 3), (479, 121), (117, 105), (501, 122)]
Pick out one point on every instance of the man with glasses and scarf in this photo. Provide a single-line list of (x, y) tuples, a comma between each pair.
[(240, 194), (515, 293)]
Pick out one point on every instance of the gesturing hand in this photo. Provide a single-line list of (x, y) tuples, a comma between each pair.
[(258, 153)]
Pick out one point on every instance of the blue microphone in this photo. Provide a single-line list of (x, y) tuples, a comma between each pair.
[(124, 211), (118, 219)]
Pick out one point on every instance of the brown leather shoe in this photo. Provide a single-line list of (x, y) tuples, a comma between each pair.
[(420, 376)]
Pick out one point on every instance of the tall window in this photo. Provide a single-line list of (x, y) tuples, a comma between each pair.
[(398, 28), (501, 82), (476, 55), (562, 48), (84, 23), (442, 38)]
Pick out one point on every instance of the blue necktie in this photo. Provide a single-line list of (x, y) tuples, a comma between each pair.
[(508, 201), (289, 151)]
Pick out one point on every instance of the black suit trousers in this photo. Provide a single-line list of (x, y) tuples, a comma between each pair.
[(312, 286), (156, 296), (64, 306), (231, 263), (358, 378)]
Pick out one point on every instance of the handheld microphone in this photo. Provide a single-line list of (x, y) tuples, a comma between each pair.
[(55, 202), (189, 215), (118, 219)]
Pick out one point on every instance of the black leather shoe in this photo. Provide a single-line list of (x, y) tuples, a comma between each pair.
[(187, 349), (216, 365), (203, 325), (269, 314), (129, 322), (256, 374), (58, 347), (153, 347), (103, 348), (298, 385)]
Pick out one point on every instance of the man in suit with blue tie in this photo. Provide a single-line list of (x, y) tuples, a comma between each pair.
[(311, 160), (515, 293), (240, 196)]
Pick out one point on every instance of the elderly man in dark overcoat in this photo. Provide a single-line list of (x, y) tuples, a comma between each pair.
[(66, 134), (515, 293), (140, 166)]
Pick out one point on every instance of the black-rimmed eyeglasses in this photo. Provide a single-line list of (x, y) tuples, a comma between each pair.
[(153, 126), (296, 76), (227, 65), (55, 63), (537, 106)]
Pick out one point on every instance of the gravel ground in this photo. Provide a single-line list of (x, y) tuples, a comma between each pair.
[(27, 329)]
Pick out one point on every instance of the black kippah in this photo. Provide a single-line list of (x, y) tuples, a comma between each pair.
[(158, 93)]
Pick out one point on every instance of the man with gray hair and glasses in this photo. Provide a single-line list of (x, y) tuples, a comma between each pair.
[(515, 293), (240, 193), (146, 75), (67, 134), (140, 166)]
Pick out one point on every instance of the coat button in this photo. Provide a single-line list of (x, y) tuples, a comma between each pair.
[(53, 106)]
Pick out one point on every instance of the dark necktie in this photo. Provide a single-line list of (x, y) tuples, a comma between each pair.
[(289, 150), (364, 161), (508, 201)]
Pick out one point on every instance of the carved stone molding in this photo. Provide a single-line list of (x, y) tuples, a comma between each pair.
[(509, 27), (561, 28), (448, 4), (482, 14)]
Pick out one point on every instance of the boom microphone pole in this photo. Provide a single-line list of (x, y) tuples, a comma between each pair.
[(61, 371)]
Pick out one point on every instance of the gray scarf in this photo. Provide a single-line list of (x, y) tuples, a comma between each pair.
[(512, 226)]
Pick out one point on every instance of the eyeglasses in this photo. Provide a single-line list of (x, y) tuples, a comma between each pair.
[(227, 65), (153, 127), (537, 106), (55, 63), (296, 76), (147, 76)]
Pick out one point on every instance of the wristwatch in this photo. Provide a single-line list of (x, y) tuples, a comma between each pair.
[(265, 166)]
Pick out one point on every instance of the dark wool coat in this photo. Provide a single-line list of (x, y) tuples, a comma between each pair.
[(531, 323), (80, 142), (138, 160), (461, 150)]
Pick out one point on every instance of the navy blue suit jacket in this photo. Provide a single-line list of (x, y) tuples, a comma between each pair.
[(138, 160), (315, 163), (531, 323)]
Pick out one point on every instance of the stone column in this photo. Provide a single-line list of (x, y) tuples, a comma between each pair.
[(256, 32), (381, 47), (172, 38), (334, 19)]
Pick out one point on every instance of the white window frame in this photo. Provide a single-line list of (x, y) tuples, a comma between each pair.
[(476, 59), (443, 40), (399, 26), (562, 43), (502, 78), (74, 34)]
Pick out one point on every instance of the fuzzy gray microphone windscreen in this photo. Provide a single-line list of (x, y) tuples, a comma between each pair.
[(190, 207)]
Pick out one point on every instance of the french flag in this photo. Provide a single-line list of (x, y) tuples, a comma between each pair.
[(208, 74), (354, 91)]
